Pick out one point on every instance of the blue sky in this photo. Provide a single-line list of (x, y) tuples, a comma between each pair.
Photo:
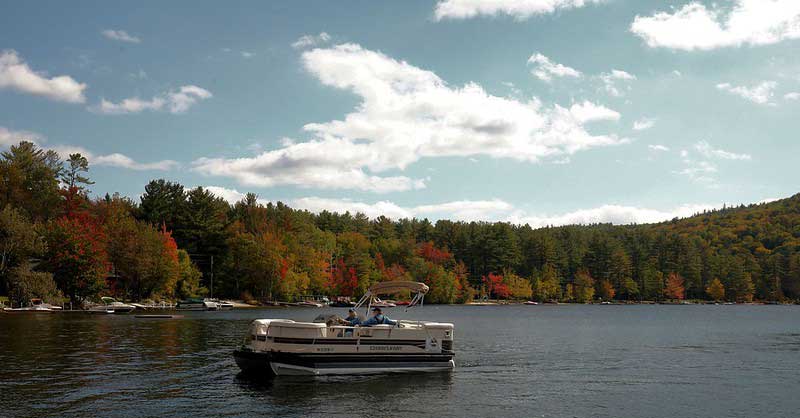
[(537, 111)]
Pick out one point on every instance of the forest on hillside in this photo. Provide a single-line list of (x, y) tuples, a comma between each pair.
[(56, 241)]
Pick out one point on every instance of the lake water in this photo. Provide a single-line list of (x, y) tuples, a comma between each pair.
[(543, 361)]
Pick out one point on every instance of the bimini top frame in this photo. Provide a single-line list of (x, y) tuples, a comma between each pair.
[(386, 288)]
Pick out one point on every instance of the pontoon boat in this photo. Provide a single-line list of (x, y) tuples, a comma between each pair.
[(275, 347)]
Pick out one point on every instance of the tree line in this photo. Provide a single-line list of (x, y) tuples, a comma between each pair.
[(57, 241)]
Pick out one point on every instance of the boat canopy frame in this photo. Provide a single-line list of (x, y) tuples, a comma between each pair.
[(386, 288)]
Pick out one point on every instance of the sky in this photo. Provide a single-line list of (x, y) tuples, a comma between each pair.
[(545, 112)]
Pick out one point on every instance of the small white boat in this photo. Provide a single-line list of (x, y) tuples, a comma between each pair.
[(531, 302), (197, 304), (277, 347), (149, 304), (110, 305), (377, 303), (224, 305), (36, 306), (309, 304)]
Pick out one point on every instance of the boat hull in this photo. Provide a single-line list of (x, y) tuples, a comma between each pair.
[(270, 364)]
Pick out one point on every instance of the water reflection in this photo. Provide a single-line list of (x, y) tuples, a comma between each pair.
[(361, 395)]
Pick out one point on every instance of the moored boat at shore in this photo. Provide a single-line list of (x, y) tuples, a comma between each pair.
[(35, 306), (276, 347), (309, 304), (197, 304), (109, 305)]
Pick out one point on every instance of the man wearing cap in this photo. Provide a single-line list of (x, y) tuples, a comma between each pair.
[(352, 318), (377, 319)]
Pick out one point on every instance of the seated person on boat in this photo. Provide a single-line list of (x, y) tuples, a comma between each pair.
[(352, 318), (378, 319)]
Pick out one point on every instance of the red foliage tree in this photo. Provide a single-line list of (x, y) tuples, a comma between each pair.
[(77, 256), (429, 252), (495, 286), (170, 246), (343, 280)]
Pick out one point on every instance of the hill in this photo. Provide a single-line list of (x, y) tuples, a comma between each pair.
[(177, 243)]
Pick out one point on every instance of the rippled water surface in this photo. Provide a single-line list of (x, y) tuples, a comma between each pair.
[(544, 361)]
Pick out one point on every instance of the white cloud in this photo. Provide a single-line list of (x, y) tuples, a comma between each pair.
[(658, 148), (761, 93), (327, 164), (589, 112), (17, 75), (247, 54), (792, 96), (141, 75), (545, 70), (176, 101), (230, 195), (9, 137), (307, 41), (495, 210), (114, 160), (405, 114), (643, 124), (702, 172), (120, 35), (696, 27), (519, 9), (705, 149), (615, 214), (704, 169), (372, 210), (611, 79), (123, 161), (480, 210)]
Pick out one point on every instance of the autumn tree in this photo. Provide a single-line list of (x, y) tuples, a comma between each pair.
[(547, 286), (583, 287), (494, 285), (343, 279), (606, 290), (76, 255), (518, 287), (674, 287), (715, 290), (188, 285), (26, 284)]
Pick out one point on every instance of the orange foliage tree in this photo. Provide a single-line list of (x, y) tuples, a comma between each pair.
[(675, 287), (606, 290)]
